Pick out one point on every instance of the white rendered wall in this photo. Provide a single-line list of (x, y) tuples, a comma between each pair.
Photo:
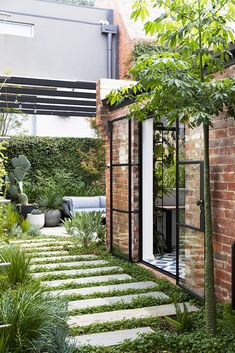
[(55, 126), (147, 181)]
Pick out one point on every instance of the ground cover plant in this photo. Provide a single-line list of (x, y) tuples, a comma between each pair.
[(184, 333)]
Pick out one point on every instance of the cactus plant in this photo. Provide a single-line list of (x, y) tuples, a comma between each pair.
[(21, 165)]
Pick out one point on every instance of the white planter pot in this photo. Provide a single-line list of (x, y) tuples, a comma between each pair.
[(36, 219)]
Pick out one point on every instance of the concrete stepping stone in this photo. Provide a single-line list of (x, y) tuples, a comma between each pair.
[(49, 253), (77, 272), (109, 338), (103, 289), (69, 264), (45, 248), (45, 245), (32, 241), (68, 257), (85, 280), (128, 314), (90, 303)]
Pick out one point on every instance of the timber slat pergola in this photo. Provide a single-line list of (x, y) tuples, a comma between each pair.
[(47, 96)]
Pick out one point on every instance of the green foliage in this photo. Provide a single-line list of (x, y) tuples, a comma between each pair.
[(229, 319), (143, 48), (3, 160), (184, 319), (173, 84), (68, 224), (25, 225), (21, 166), (11, 223), (16, 231), (50, 201), (35, 319), (8, 219), (36, 211), (33, 231), (11, 121), (18, 272), (69, 166), (86, 228)]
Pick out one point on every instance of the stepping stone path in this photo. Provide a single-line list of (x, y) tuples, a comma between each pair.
[(54, 266), (77, 272)]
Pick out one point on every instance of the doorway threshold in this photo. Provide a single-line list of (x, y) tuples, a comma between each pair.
[(166, 263)]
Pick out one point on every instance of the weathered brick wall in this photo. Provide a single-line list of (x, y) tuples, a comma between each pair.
[(120, 177), (222, 158), (222, 171)]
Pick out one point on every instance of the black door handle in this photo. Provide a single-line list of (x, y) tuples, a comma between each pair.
[(200, 203)]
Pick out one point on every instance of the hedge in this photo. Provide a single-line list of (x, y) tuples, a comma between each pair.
[(82, 158)]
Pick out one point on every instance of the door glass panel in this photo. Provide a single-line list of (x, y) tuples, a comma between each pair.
[(121, 234), (120, 142), (191, 260), (189, 194), (120, 188)]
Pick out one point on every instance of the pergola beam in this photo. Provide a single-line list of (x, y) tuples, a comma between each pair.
[(47, 92), (15, 106), (34, 99), (47, 96), (57, 113), (27, 81)]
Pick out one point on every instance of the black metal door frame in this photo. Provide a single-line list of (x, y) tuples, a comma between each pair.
[(129, 165), (200, 204)]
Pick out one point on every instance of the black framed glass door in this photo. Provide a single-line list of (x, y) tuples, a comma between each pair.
[(189, 222), (125, 180)]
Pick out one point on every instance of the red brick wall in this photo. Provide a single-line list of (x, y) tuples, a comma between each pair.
[(222, 161), (222, 158)]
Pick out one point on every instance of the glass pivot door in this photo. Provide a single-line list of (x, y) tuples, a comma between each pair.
[(190, 226)]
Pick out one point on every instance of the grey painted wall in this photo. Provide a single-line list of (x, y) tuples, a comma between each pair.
[(67, 42)]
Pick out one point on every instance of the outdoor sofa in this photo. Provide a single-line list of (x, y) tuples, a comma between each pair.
[(73, 204)]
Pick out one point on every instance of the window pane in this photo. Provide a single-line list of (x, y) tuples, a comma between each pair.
[(17, 29)]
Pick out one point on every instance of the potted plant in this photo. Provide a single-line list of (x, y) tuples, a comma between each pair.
[(36, 218), (51, 203), (21, 166)]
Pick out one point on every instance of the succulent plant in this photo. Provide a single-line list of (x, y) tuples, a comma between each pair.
[(36, 211), (21, 165)]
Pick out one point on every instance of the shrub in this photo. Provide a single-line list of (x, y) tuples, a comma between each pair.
[(18, 272), (86, 228), (25, 225), (50, 201), (62, 164), (33, 231), (33, 317), (8, 218)]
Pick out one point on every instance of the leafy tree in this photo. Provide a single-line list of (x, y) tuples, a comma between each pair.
[(178, 83), (11, 121)]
